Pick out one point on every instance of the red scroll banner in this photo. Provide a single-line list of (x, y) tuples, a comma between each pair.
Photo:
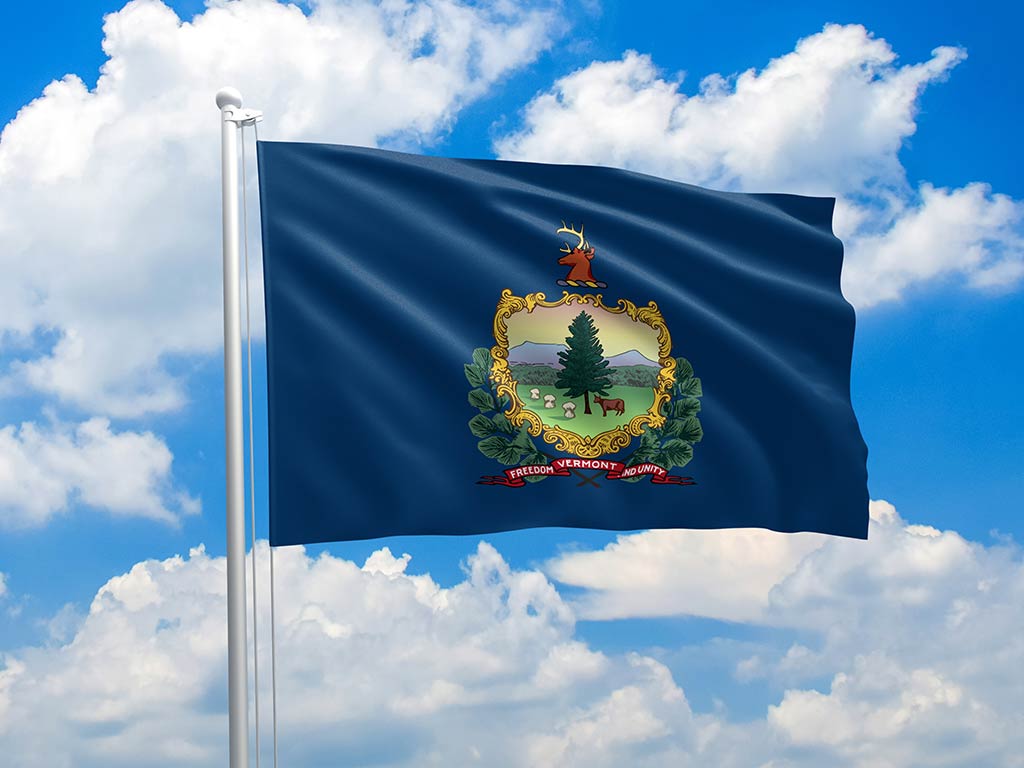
[(614, 470)]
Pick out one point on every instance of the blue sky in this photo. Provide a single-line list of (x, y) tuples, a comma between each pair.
[(936, 377)]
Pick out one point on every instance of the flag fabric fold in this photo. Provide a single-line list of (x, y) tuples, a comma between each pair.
[(471, 346)]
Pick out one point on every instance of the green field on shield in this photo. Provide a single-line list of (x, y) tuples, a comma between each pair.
[(636, 399)]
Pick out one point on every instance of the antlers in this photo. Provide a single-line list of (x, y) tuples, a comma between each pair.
[(571, 229)]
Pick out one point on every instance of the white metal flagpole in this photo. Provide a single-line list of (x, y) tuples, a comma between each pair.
[(229, 101)]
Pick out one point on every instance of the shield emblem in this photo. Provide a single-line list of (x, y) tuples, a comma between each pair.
[(581, 375)]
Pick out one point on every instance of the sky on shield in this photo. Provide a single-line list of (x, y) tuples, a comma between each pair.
[(589, 648), (617, 333)]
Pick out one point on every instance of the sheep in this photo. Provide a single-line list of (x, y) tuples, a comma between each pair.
[(535, 394), (570, 410), (549, 401)]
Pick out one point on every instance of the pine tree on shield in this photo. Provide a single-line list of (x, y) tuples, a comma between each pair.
[(584, 369)]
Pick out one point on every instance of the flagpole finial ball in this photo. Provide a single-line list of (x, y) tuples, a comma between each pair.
[(229, 97)]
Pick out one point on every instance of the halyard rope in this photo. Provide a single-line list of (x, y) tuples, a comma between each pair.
[(252, 472)]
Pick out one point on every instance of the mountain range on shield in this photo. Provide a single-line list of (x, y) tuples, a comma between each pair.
[(532, 353)]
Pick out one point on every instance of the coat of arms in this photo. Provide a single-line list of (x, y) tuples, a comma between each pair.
[(574, 386)]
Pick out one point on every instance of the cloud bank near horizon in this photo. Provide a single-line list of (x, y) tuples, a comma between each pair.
[(895, 650)]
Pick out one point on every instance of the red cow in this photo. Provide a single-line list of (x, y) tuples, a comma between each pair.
[(616, 405)]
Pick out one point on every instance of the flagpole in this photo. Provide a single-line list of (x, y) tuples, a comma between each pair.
[(229, 101)]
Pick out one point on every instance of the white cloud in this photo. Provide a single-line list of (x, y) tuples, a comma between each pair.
[(718, 574), (917, 629), (794, 580), (3, 583), (901, 650), (829, 118), (967, 230), (634, 725), (109, 198), (881, 713), (567, 664), (810, 717), (43, 469)]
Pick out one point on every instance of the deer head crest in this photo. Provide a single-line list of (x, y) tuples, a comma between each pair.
[(578, 258)]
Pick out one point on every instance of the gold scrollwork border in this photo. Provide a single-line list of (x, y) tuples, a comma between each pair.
[(585, 447)]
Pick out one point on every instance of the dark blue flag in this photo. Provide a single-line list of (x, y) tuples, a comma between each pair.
[(469, 346)]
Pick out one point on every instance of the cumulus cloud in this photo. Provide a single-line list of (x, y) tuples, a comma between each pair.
[(829, 118), (43, 469), (109, 197), (717, 574), (968, 230), (916, 629), (802, 580), (881, 712), (900, 650), (927, 599), (646, 724), (729, 574)]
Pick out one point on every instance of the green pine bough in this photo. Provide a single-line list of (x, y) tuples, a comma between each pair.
[(499, 439), (670, 446)]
